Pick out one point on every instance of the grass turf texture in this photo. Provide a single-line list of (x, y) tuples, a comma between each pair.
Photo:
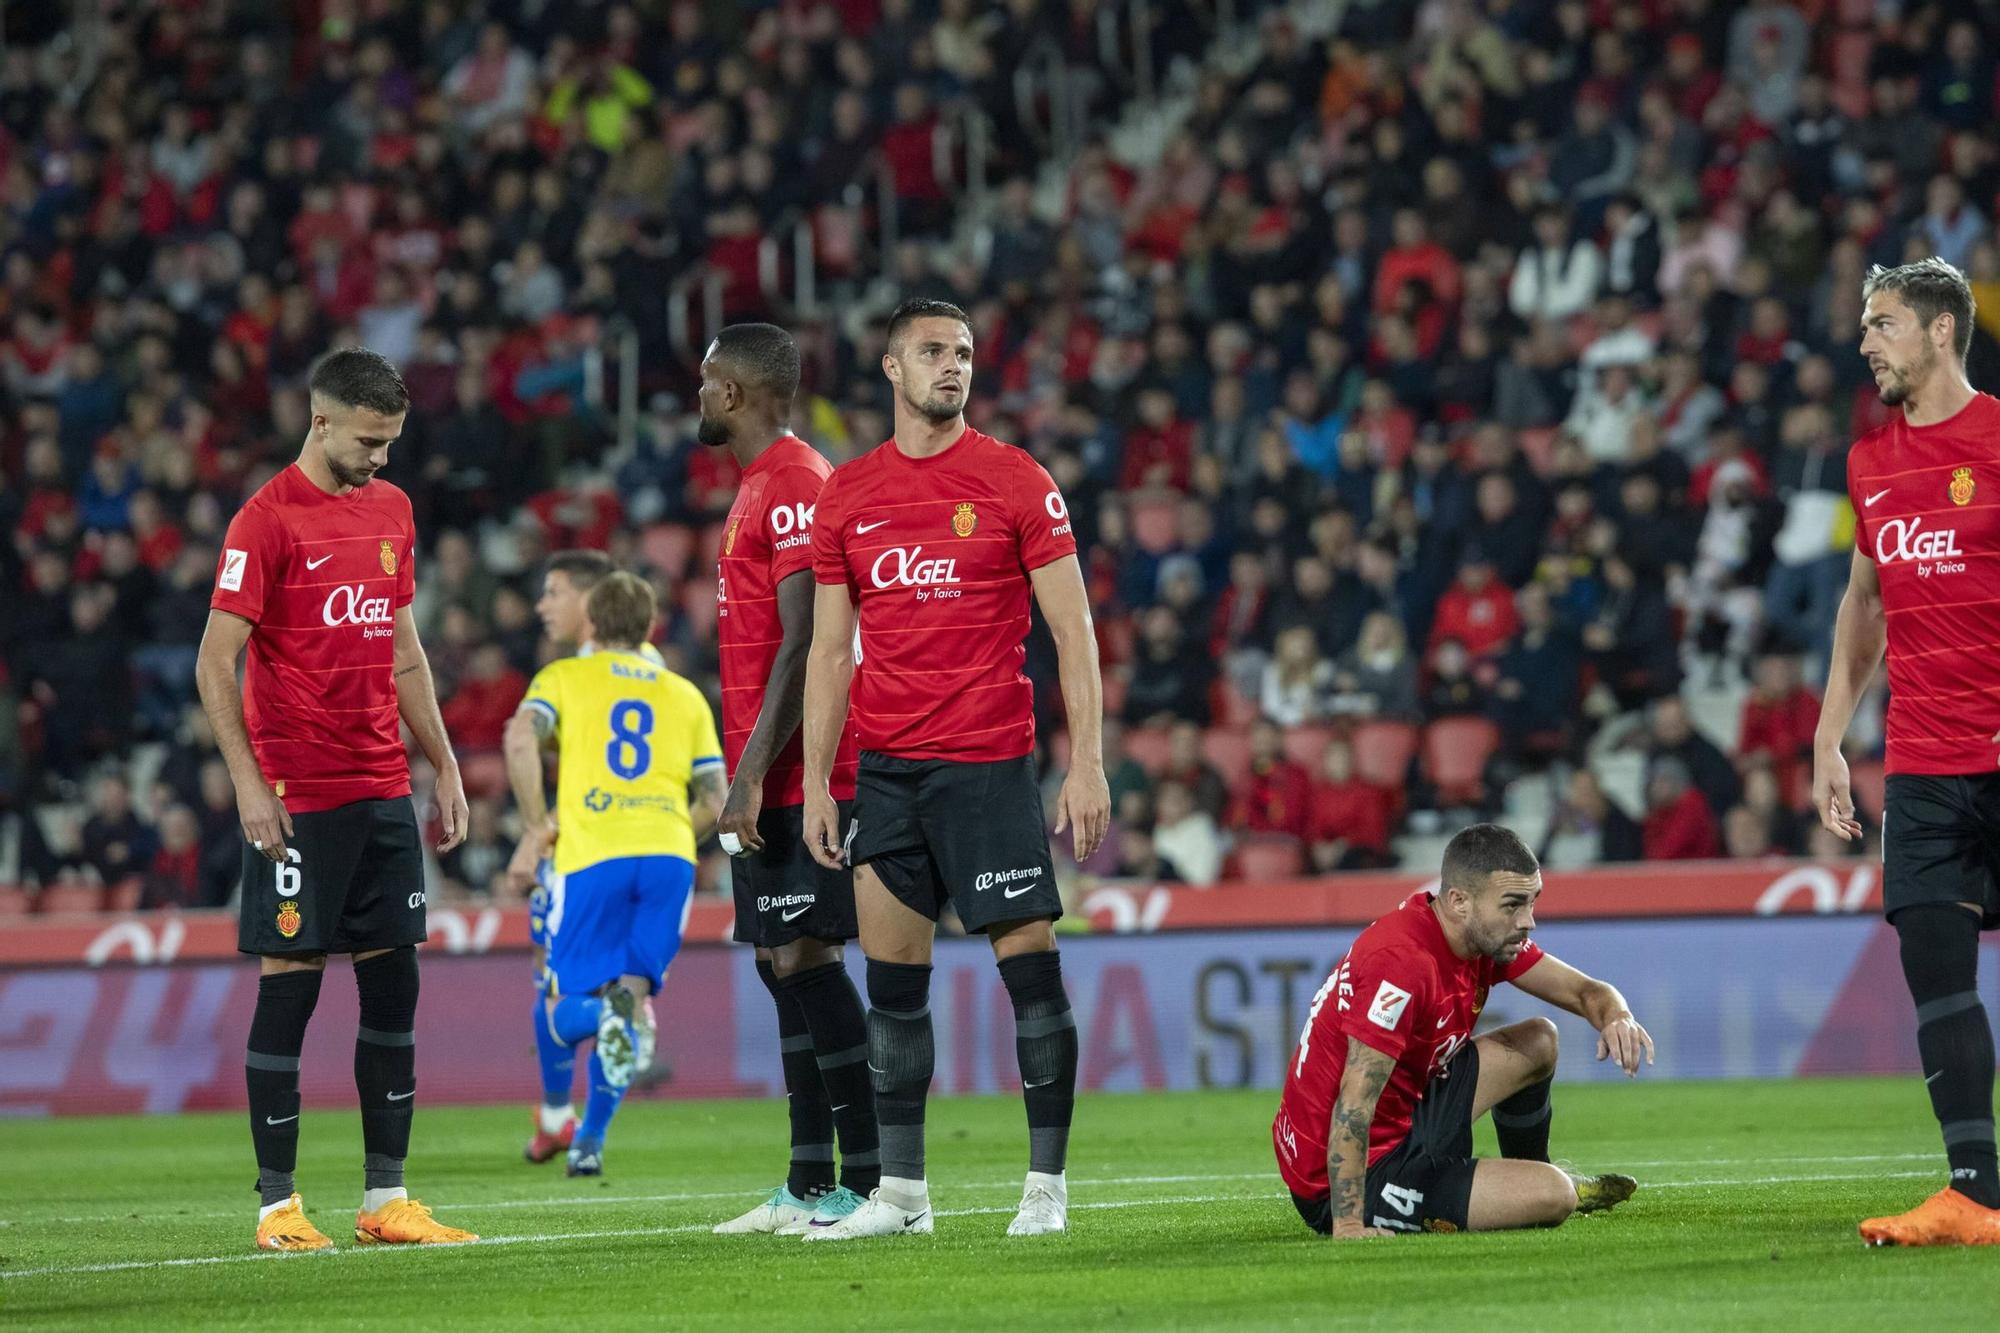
[(1745, 1220)]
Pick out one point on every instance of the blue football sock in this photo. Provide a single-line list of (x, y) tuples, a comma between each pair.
[(597, 1112), (558, 1060), (576, 1018)]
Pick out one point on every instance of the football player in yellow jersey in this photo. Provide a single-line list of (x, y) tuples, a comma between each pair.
[(639, 782), (567, 579)]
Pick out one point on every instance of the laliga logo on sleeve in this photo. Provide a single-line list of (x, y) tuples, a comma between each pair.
[(1386, 1010)]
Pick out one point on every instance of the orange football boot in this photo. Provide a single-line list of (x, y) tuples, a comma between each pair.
[(1946, 1218), (405, 1222), (287, 1229)]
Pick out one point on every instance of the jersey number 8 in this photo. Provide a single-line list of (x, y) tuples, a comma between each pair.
[(630, 754)]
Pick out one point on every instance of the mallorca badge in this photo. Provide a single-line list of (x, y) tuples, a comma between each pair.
[(1961, 486), (388, 554), (964, 520), (288, 918)]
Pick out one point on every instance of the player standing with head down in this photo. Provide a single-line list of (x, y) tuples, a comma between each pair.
[(795, 911), (930, 546), (1926, 495), (1374, 1133), (316, 578)]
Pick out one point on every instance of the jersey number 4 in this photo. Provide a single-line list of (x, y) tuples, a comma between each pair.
[(630, 752)]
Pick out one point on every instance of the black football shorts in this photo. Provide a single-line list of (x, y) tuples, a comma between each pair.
[(1941, 842), (935, 830), (1425, 1183), (352, 881), (782, 894)]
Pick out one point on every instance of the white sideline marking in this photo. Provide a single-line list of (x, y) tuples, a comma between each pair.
[(586, 1200), (688, 1228)]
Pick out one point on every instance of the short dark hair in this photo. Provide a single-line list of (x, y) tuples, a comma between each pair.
[(622, 609), (1930, 287), (585, 569), (922, 307), (1479, 851), (764, 356), (357, 377)]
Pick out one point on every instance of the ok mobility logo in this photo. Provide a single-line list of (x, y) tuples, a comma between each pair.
[(597, 801)]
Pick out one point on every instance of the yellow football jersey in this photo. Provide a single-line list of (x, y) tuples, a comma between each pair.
[(630, 736)]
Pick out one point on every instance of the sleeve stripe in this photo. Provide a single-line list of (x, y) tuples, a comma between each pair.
[(707, 761), (544, 706)]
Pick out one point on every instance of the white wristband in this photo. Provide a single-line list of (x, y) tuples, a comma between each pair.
[(730, 843)]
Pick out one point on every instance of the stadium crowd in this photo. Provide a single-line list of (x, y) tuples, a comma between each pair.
[(1456, 392)]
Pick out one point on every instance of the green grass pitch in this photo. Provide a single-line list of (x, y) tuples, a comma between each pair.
[(1745, 1221)]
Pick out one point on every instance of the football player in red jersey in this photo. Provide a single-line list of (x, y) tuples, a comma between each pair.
[(1374, 1132), (927, 550), (1926, 558), (316, 579), (796, 912)]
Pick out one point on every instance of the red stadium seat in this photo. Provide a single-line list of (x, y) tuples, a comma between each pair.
[(1269, 856), (1154, 525), (484, 772), (1455, 753), (1148, 746), (14, 901), (124, 895), (1866, 781), (1306, 745), (1382, 753), (1229, 750), (68, 899), (667, 546), (1232, 707)]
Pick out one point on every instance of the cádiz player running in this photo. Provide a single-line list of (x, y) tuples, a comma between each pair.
[(316, 578), (638, 784), (796, 912), (567, 578), (931, 545), (1374, 1132), (1925, 545)]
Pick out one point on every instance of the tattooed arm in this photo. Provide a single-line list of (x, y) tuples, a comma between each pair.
[(1361, 1085), (705, 795)]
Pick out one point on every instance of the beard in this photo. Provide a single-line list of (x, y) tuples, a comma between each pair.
[(714, 434), (349, 477), (936, 409), (1902, 383)]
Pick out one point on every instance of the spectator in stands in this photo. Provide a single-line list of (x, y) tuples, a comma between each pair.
[(1539, 677), (1187, 765), (1122, 772), (116, 845), (81, 685), (174, 874), (1680, 823), (1477, 611), (1631, 639), (25, 858), (1296, 680), (1347, 826), (1779, 718), (1671, 736), (1277, 794), (1763, 800), (1745, 834), (1379, 677), (1139, 859), (473, 867), (477, 712), (1589, 827), (1172, 676), (1453, 691), (1557, 277), (1186, 837)]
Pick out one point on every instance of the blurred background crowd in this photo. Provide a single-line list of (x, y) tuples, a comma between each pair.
[(1452, 398)]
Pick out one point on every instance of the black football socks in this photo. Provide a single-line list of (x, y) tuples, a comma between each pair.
[(1940, 949), (901, 1058), (826, 997), (811, 1171), (385, 1062), (285, 1002), (1522, 1122), (1045, 1046)]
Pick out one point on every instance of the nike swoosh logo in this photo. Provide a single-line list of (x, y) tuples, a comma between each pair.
[(909, 1222), (837, 1109), (285, 1120), (1934, 1078), (873, 1070), (1043, 1084), (1444, 1020), (796, 913), (402, 1096), (1869, 503), (860, 528), (315, 564), (1015, 893)]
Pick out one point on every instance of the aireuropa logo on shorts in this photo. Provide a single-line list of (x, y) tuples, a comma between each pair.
[(768, 902), (992, 877)]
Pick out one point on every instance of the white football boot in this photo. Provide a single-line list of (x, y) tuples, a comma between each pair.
[(877, 1216), (780, 1210), (1044, 1206)]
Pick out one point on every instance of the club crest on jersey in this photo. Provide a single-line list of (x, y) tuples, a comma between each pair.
[(1961, 486), (964, 520), (288, 919), (729, 542), (388, 554)]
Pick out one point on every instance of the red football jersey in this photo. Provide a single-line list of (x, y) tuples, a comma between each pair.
[(1927, 510), (936, 553), (321, 577), (768, 539), (1402, 991)]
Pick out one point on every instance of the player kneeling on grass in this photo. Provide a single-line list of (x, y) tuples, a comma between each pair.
[(1374, 1134), (639, 783)]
